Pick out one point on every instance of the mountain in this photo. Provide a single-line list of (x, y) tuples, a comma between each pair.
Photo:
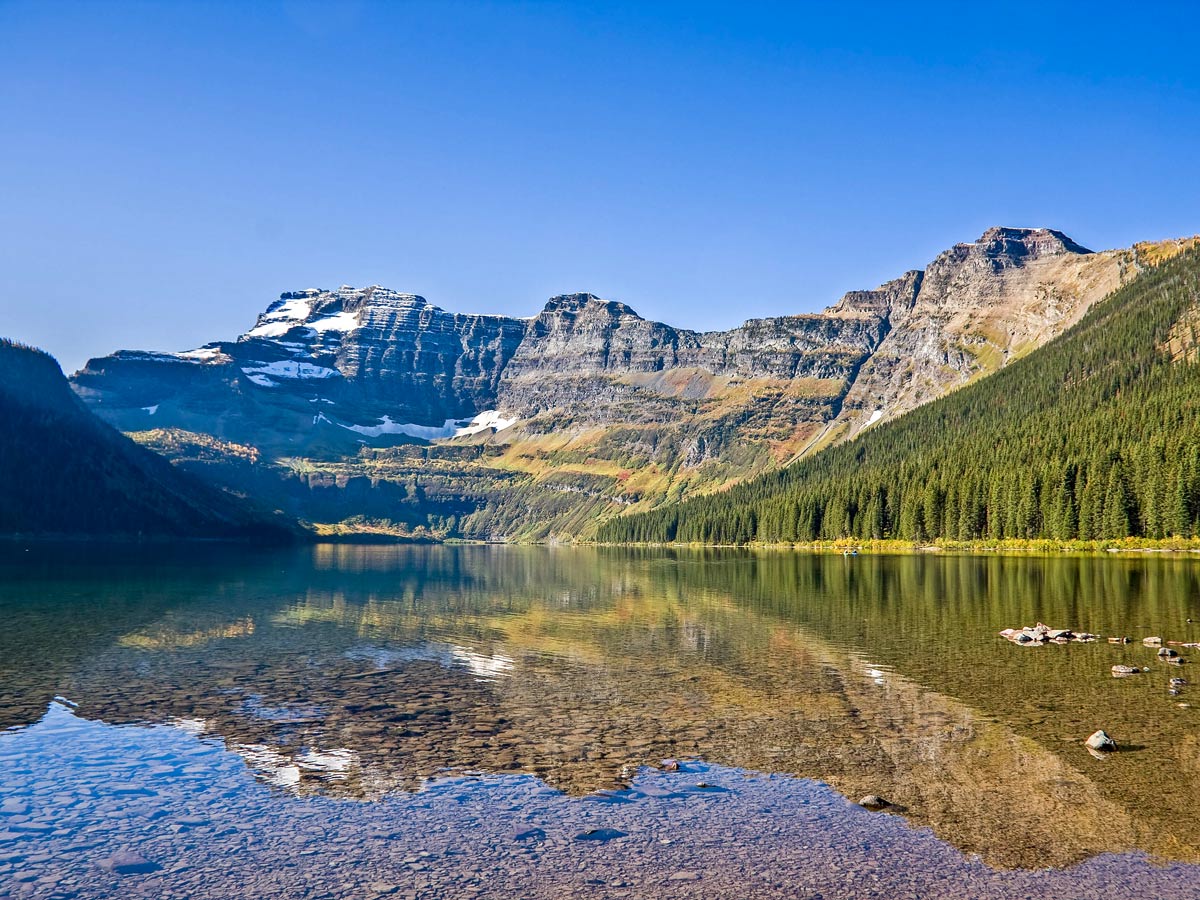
[(66, 473), (541, 425), (1095, 436)]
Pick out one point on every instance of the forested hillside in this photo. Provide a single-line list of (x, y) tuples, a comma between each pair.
[(1094, 436), (63, 472)]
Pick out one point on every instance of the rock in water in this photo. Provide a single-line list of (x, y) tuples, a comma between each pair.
[(528, 833), (126, 862), (1101, 742), (600, 834)]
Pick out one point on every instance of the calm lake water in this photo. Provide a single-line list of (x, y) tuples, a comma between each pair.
[(357, 722)]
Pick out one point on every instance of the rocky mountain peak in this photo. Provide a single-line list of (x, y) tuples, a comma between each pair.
[(1022, 243), (320, 312), (582, 303)]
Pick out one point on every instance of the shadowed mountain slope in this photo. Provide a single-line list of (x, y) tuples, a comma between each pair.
[(67, 473)]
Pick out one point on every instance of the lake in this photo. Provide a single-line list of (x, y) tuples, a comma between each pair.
[(370, 721)]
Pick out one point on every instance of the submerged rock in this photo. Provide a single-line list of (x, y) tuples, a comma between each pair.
[(1101, 742), (600, 834), (1167, 653), (1152, 641), (528, 833), (1120, 671), (126, 862)]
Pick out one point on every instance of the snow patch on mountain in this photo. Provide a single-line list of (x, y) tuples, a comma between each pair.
[(343, 321), (204, 355), (281, 317), (425, 432), (489, 418), (290, 368)]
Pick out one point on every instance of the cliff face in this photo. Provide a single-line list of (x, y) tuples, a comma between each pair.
[(584, 355), (316, 366), (587, 397)]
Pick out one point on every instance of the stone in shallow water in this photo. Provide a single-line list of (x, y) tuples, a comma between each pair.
[(527, 833), (126, 862), (600, 834)]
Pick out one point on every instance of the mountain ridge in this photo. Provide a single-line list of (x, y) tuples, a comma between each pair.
[(588, 397)]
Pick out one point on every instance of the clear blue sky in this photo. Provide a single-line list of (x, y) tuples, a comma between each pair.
[(166, 169)]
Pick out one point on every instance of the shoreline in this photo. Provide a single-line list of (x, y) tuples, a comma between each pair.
[(849, 547), (890, 547)]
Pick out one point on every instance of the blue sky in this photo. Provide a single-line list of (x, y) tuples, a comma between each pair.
[(167, 169)]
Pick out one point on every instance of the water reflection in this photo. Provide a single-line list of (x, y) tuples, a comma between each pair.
[(357, 672)]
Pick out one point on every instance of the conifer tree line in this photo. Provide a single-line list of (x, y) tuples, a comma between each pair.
[(1095, 436)]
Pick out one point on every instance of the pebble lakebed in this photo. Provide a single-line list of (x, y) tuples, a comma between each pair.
[(185, 818)]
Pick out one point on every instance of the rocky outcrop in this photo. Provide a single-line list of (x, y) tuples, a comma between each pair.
[(978, 306)]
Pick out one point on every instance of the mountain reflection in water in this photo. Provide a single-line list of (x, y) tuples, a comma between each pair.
[(359, 672)]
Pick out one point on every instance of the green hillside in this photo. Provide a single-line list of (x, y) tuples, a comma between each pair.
[(1095, 436), (63, 472)]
